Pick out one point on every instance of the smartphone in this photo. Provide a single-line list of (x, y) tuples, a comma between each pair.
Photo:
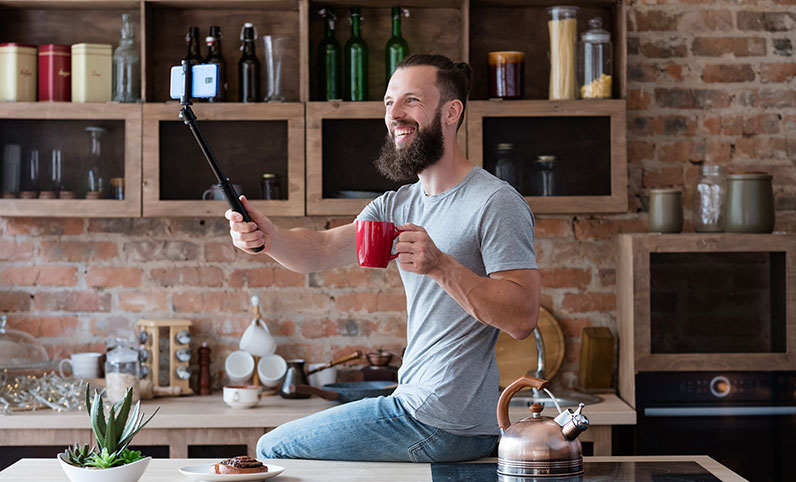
[(205, 81)]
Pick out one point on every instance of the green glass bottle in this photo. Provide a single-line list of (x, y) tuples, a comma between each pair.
[(330, 58), (397, 49), (356, 61)]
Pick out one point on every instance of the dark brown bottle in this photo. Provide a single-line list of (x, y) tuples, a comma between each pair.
[(215, 56), (248, 67), (192, 41)]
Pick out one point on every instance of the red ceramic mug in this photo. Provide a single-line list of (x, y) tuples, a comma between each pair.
[(374, 243)]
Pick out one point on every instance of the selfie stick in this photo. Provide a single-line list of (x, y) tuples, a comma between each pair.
[(187, 115)]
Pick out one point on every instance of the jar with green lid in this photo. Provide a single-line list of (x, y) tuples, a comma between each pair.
[(270, 186)]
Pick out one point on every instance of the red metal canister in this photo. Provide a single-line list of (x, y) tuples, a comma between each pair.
[(55, 73)]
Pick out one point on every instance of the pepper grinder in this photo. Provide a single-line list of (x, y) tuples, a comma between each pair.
[(204, 369)]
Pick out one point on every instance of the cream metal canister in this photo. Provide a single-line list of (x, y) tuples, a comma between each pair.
[(91, 72), (18, 73)]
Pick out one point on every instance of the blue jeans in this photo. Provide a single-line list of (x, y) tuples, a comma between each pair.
[(371, 429)]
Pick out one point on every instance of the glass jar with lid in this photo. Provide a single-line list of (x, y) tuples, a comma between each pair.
[(270, 186), (122, 371), (95, 185), (506, 166), (596, 62), (709, 199), (544, 176)]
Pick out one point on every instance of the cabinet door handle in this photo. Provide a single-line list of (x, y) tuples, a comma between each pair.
[(719, 411)]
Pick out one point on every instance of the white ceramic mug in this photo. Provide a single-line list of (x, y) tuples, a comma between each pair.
[(215, 193), (271, 370), (239, 366), (83, 365), (323, 377), (242, 396), (257, 340)]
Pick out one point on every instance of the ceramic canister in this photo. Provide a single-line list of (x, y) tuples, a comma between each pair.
[(17, 72), (55, 73), (666, 210), (749, 205), (91, 72)]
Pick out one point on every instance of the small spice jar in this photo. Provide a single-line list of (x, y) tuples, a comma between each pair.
[(270, 186), (749, 207), (17, 72), (666, 210), (506, 73), (55, 73)]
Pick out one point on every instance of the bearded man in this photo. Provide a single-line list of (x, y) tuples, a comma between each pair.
[(467, 262)]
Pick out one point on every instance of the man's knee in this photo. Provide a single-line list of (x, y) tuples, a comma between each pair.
[(271, 446)]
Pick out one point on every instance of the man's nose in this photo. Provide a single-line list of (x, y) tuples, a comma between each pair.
[(396, 112)]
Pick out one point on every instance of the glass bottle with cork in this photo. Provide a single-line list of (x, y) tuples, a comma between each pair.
[(126, 65), (248, 66), (192, 45), (330, 57), (356, 61), (215, 56), (397, 49)]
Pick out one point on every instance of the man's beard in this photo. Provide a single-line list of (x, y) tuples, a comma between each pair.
[(405, 164)]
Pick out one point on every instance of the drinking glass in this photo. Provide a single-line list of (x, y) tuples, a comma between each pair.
[(30, 176), (56, 173), (275, 48)]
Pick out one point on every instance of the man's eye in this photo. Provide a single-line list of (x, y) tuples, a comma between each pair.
[(412, 99), (388, 103)]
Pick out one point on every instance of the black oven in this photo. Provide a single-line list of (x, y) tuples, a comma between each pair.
[(745, 420)]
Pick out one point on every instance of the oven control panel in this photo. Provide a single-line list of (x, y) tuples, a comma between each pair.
[(684, 387)]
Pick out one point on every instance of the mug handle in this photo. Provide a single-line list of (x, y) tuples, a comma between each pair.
[(235, 396), (394, 236), (61, 367), (206, 195)]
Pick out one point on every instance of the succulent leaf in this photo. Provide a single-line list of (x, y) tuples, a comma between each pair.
[(121, 419), (98, 420), (129, 456), (77, 455), (110, 434), (104, 460)]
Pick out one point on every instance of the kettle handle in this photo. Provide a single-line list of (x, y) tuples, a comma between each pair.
[(505, 397)]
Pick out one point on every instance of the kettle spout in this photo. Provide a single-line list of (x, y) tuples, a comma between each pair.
[(572, 423)]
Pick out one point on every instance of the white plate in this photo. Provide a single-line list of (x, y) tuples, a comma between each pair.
[(202, 472)]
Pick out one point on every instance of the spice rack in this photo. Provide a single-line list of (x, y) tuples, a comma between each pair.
[(167, 179), (176, 340)]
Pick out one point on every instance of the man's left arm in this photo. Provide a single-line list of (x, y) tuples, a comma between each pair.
[(507, 300)]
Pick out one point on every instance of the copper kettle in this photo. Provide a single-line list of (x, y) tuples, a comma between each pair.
[(538, 445)]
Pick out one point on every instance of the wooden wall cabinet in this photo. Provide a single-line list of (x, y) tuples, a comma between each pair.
[(705, 302), (340, 139)]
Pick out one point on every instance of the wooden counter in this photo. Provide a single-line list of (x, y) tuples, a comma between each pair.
[(208, 420), (166, 470)]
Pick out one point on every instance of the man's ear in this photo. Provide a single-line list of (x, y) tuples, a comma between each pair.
[(453, 111)]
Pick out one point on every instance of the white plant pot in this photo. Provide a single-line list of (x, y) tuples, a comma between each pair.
[(125, 473)]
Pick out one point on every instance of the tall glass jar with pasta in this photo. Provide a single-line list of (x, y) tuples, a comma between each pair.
[(563, 27), (595, 62)]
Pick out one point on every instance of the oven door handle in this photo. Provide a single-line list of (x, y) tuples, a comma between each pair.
[(729, 411)]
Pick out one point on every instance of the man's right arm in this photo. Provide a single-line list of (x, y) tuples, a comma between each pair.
[(301, 250)]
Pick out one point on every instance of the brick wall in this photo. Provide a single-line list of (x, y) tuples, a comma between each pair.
[(708, 81)]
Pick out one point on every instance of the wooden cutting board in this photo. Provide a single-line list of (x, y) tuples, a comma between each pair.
[(516, 358)]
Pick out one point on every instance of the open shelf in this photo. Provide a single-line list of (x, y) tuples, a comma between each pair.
[(247, 141), (167, 22), (587, 138), (521, 25), (436, 26)]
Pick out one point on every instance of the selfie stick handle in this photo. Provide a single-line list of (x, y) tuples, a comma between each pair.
[(189, 118)]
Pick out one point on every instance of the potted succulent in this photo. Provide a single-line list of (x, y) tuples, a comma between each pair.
[(111, 458)]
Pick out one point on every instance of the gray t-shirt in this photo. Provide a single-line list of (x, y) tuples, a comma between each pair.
[(449, 376)]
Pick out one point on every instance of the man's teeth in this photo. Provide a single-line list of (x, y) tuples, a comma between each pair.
[(402, 132)]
